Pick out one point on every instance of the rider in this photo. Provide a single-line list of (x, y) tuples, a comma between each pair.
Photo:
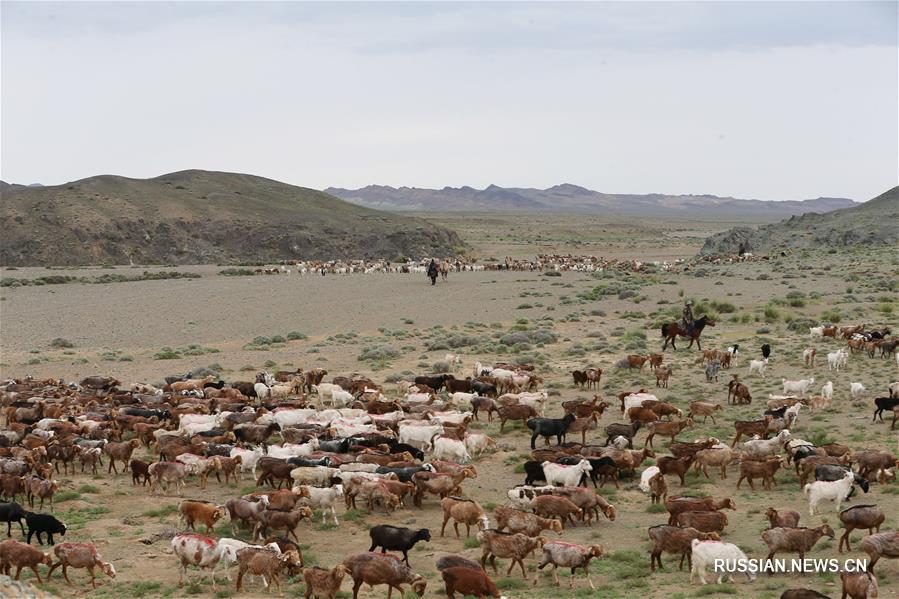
[(688, 316)]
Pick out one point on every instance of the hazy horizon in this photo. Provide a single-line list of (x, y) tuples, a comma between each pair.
[(768, 100)]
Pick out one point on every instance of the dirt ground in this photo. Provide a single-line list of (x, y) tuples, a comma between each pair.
[(117, 329)]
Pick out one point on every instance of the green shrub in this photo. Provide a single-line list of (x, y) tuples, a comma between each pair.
[(167, 353), (60, 343)]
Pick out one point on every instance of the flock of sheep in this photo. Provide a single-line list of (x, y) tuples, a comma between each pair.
[(350, 442)]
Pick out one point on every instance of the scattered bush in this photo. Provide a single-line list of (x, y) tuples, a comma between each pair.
[(60, 343)]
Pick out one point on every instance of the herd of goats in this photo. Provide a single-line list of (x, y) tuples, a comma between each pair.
[(349, 442)]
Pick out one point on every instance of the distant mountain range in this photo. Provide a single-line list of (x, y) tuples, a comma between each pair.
[(873, 224), (572, 198), (200, 217)]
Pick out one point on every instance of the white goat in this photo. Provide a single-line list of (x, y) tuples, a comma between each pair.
[(816, 332), (827, 390), (645, 477), (837, 360), (707, 553), (758, 366), (856, 390), (565, 476), (799, 387), (827, 490)]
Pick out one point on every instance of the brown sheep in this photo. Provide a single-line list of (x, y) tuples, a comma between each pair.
[(140, 472), (751, 469), (265, 563), (322, 583), (881, 544), (641, 415), (121, 452), (782, 518), (22, 555), (750, 428), (703, 521), (704, 409), (678, 466), (860, 516), (569, 555), (519, 521), (872, 461), (678, 504), (515, 412), (515, 546), (717, 457), (859, 585), (80, 555), (658, 488), (201, 511), (677, 540), (468, 582), (797, 540), (374, 569), (662, 376), (667, 429), (277, 520), (550, 506), (464, 511)]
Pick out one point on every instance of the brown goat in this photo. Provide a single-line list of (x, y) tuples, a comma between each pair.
[(750, 428), (703, 521), (677, 540), (677, 466), (752, 469), (679, 504), (860, 516), (859, 585), (322, 583), (797, 540), (782, 518)]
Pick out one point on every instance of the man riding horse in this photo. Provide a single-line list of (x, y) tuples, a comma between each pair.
[(688, 317), (686, 327)]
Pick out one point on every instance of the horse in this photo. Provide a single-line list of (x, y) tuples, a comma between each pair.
[(672, 330)]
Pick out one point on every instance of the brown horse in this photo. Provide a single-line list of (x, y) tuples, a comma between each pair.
[(671, 331)]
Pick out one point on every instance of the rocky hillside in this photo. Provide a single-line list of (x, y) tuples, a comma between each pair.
[(572, 198), (874, 223), (193, 217)]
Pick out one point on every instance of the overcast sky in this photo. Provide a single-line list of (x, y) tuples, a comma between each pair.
[(770, 100)]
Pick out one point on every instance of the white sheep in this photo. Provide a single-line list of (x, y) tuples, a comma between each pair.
[(758, 366), (799, 387), (758, 448), (826, 490), (451, 450), (856, 390), (706, 553), (837, 359), (565, 476), (645, 477), (262, 390)]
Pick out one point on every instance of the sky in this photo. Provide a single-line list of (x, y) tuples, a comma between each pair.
[(767, 100)]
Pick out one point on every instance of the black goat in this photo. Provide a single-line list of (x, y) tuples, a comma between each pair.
[(341, 446), (12, 512), (434, 382), (396, 447), (549, 427), (38, 523), (395, 538), (766, 351), (884, 404), (832, 472), (484, 389), (533, 471), (627, 431), (404, 474), (146, 413)]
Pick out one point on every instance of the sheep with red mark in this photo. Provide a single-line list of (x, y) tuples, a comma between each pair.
[(515, 546), (860, 516), (569, 555), (859, 585), (80, 555), (520, 521), (462, 511), (881, 544), (264, 562), (322, 583)]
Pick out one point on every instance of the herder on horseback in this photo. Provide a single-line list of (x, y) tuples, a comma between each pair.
[(686, 327)]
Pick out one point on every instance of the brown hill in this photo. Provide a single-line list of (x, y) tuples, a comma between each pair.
[(875, 222), (200, 217)]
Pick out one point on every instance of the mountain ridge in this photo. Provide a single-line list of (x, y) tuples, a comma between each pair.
[(568, 197), (197, 216)]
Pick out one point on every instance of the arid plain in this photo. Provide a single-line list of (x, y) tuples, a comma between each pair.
[(143, 331)]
